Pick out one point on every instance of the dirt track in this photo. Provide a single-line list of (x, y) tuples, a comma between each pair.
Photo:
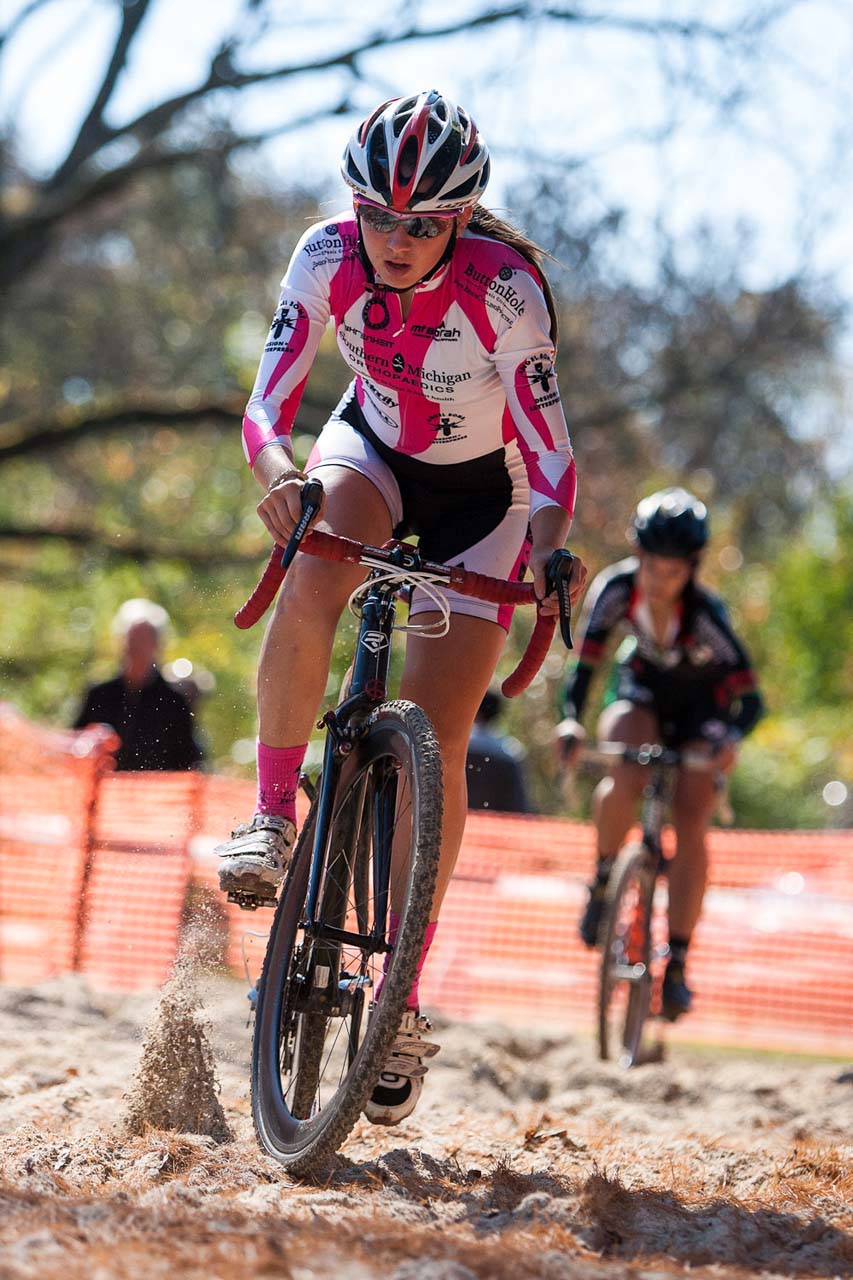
[(527, 1158)]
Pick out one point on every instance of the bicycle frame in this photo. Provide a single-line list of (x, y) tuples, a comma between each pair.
[(657, 796), (368, 688), (628, 949), (664, 764)]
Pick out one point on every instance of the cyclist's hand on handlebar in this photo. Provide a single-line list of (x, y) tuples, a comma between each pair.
[(281, 508), (569, 737), (548, 602)]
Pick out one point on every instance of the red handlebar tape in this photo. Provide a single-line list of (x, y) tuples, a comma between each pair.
[(329, 546)]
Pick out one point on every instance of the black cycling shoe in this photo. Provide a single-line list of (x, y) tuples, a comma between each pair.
[(590, 921), (676, 996)]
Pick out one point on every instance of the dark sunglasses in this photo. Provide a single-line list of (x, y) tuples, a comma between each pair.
[(418, 227)]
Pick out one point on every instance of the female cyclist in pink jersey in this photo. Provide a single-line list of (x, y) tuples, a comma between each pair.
[(452, 429)]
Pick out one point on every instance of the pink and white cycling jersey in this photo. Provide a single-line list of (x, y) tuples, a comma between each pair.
[(469, 371)]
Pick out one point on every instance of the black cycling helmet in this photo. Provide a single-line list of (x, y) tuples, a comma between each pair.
[(671, 523)]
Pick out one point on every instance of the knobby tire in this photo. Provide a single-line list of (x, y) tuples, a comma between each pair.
[(630, 889), (300, 1117)]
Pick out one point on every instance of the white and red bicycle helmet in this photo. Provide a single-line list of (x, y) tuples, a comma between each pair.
[(423, 154)]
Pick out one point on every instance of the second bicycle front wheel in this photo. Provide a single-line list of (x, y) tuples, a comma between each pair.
[(625, 980), (331, 997)]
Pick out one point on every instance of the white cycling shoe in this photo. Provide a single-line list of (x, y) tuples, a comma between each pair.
[(254, 861), (399, 1087)]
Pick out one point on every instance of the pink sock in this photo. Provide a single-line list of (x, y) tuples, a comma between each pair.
[(278, 778), (393, 926)]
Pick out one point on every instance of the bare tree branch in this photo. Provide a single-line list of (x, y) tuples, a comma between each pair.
[(31, 435), (28, 436), (77, 181), (94, 131), (54, 210), (19, 19), (135, 549), (224, 75)]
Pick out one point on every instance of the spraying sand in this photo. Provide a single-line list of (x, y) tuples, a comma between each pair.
[(175, 1086), (527, 1158)]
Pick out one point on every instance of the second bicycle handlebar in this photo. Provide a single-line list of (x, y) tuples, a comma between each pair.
[(331, 546)]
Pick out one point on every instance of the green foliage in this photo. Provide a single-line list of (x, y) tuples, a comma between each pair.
[(802, 613), (176, 303)]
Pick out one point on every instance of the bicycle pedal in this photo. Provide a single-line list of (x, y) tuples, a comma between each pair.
[(249, 901)]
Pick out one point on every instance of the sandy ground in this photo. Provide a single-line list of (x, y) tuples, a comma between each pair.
[(527, 1158)]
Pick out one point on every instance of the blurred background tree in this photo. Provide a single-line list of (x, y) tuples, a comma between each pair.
[(137, 281)]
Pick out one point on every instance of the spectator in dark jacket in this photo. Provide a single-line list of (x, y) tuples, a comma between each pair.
[(495, 764), (151, 717)]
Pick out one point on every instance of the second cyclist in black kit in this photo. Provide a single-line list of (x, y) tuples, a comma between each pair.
[(683, 679)]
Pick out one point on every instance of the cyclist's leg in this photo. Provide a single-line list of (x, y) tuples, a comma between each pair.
[(692, 807), (432, 679), (448, 677), (616, 796), (297, 647), (614, 803), (485, 529), (292, 675)]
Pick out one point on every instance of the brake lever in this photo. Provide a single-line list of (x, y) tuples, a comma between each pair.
[(558, 577), (312, 498)]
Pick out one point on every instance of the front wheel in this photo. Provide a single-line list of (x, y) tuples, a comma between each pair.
[(324, 1024), (625, 978)]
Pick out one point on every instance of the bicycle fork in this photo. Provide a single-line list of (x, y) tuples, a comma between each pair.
[(327, 990)]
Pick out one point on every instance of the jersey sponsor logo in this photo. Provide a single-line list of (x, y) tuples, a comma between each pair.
[(436, 332), (356, 342), (380, 395), (329, 246), (440, 376), (659, 655), (498, 288), (379, 412), (398, 363), (354, 353), (539, 372), (323, 245), (283, 324), (375, 313), (447, 424), (374, 398), (331, 229), (505, 273), (287, 313)]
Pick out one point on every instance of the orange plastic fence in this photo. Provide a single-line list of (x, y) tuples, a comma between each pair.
[(771, 962), (48, 787), (97, 868)]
